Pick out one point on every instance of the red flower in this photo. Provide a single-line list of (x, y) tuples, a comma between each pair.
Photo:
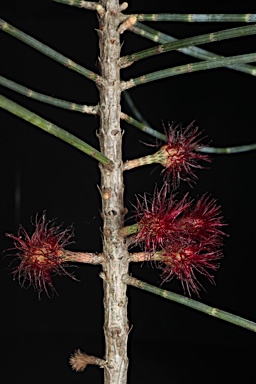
[(203, 221), (180, 155), (157, 219), (185, 261), (40, 254), (186, 236)]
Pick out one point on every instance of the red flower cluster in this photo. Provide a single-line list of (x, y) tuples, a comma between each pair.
[(41, 254), (186, 235), (180, 155)]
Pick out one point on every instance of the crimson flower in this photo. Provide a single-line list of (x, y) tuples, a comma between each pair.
[(180, 155), (203, 221), (186, 236), (183, 262), (158, 218), (40, 254)]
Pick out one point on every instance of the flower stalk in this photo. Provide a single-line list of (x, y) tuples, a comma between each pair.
[(179, 157)]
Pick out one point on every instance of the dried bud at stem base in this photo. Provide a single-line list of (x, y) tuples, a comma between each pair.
[(79, 361)]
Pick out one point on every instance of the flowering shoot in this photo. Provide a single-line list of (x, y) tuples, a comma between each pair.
[(180, 155), (41, 254), (187, 235)]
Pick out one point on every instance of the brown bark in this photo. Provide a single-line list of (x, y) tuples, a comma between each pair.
[(114, 247)]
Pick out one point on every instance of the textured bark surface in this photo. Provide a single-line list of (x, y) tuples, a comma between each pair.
[(114, 247)]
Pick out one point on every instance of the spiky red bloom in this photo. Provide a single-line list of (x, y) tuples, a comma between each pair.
[(185, 261), (180, 155), (204, 221), (187, 235), (40, 254), (157, 219)]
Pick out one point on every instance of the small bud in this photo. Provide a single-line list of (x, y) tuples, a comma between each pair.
[(123, 6), (127, 24)]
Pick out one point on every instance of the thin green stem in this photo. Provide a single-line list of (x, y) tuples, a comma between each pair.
[(129, 230), (143, 127), (188, 68), (135, 110), (74, 3), (49, 51), (201, 18), (196, 40), (229, 150), (78, 3), (48, 99), (92, 5), (159, 37), (53, 129), (216, 150), (218, 313)]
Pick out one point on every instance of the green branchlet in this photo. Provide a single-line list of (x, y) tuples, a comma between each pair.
[(53, 129)]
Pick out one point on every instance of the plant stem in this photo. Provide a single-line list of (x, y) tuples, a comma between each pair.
[(218, 313), (204, 18), (229, 150), (143, 127), (129, 230), (188, 68), (195, 40), (135, 111), (48, 99), (160, 37), (216, 150), (114, 247), (79, 3), (48, 51), (83, 257), (53, 129)]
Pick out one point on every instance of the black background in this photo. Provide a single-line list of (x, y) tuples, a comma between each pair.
[(38, 172)]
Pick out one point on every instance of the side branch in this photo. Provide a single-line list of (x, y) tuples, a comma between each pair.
[(83, 257), (219, 314), (79, 361), (202, 54), (140, 257), (143, 127), (91, 5), (90, 109), (53, 129), (49, 51), (158, 135), (203, 18), (187, 42), (79, 3), (188, 68)]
